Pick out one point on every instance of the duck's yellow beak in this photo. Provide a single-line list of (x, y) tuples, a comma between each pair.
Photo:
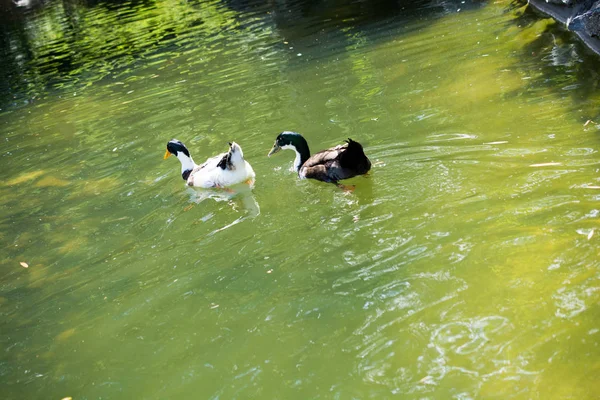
[(167, 154), (274, 150)]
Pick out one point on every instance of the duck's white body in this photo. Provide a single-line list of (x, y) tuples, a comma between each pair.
[(224, 170), (210, 174)]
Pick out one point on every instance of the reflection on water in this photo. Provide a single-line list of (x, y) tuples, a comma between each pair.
[(239, 198), (464, 265)]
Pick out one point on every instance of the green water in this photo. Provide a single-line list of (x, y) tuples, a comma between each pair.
[(464, 266)]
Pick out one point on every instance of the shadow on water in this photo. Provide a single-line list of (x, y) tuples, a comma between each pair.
[(554, 60), (303, 16), (52, 45), (68, 44)]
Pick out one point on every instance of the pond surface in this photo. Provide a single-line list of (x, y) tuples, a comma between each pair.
[(465, 265)]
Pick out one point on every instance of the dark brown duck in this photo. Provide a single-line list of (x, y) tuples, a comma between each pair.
[(331, 165)]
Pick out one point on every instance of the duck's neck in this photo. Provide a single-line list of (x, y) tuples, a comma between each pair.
[(187, 165), (302, 154)]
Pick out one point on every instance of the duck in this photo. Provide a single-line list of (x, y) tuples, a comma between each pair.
[(330, 165), (220, 171)]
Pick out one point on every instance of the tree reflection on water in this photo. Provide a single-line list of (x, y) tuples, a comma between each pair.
[(46, 44)]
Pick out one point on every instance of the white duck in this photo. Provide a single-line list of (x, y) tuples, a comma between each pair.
[(220, 171)]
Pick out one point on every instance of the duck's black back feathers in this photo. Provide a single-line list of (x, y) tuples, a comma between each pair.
[(225, 162)]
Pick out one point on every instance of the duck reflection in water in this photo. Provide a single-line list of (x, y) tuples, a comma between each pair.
[(239, 197)]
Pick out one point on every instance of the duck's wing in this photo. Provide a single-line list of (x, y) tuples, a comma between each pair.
[(211, 163), (325, 156), (324, 165)]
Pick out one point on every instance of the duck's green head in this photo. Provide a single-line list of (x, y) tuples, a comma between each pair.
[(292, 141), (289, 140)]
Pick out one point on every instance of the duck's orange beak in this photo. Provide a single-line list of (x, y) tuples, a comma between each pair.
[(167, 154)]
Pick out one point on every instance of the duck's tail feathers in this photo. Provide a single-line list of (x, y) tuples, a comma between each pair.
[(354, 157), (354, 146)]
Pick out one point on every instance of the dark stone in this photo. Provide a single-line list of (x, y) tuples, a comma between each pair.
[(580, 16), (588, 22)]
